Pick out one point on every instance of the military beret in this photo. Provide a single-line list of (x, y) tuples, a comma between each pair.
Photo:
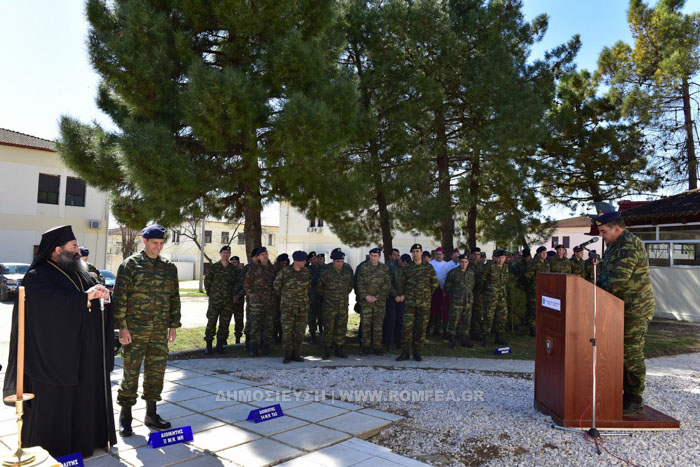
[(262, 250), (84, 251), (440, 249), (426, 254), (225, 248), (476, 249), (541, 249), (283, 257), (337, 249), (577, 249), (464, 257), (406, 258), (551, 253), (456, 250), (153, 231), (255, 252), (235, 258), (312, 254), (375, 250), (526, 252), (337, 254), (321, 255), (416, 246), (608, 217), (498, 253), (559, 246), (300, 256)]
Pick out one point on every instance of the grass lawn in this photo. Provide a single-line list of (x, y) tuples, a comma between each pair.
[(191, 293), (663, 338)]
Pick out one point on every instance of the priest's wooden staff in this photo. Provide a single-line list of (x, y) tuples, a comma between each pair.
[(106, 379), (34, 455)]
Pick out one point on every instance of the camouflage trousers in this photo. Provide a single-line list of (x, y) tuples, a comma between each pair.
[(335, 326), (634, 369), (277, 321), (150, 347), (315, 316), (246, 328), (477, 310), (459, 319), (261, 318), (415, 322), (222, 314), (238, 313), (294, 319), (495, 313), (531, 310), (372, 323)]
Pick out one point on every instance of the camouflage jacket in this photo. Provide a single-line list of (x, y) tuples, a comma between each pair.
[(460, 286), (334, 286), (146, 294), (520, 271), (293, 287), (577, 266), (624, 272), (419, 282), (561, 265), (258, 283), (478, 268), (375, 281), (95, 273), (496, 279), (588, 270), (220, 282), (531, 275)]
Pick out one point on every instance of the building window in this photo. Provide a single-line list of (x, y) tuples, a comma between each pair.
[(565, 241), (207, 236), (75, 192), (270, 239), (241, 239), (555, 241), (176, 236), (312, 223), (224, 238), (48, 189), (319, 223)]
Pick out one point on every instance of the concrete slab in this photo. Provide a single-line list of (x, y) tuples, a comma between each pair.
[(162, 456), (224, 386), (104, 461), (207, 460), (183, 395), (315, 411), (259, 453), (201, 381), (166, 410), (222, 437), (342, 404), (206, 403), (339, 455), (375, 462), (274, 426), (357, 424), (311, 437), (231, 414), (378, 413), (198, 422), (284, 402), (137, 440)]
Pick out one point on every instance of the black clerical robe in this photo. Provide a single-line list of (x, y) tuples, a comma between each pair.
[(64, 366)]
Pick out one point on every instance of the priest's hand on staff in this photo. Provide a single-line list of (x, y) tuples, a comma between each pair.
[(172, 335), (98, 291), (124, 337)]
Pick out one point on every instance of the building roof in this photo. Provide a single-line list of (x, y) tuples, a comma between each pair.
[(579, 221), (15, 138), (681, 208)]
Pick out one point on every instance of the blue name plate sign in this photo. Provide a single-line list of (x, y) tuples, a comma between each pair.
[(168, 437), (266, 413), (503, 350), (71, 460)]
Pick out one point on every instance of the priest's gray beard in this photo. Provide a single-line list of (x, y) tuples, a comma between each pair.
[(71, 262)]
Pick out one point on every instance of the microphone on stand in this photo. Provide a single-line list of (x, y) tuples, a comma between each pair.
[(592, 240)]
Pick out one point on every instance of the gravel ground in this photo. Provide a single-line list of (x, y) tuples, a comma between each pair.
[(487, 418)]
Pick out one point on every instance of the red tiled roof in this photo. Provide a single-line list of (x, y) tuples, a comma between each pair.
[(15, 138), (580, 221)]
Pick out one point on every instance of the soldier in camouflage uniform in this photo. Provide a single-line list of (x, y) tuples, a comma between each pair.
[(539, 264), (334, 285), (577, 266), (624, 272), (314, 319), (281, 262), (238, 300), (495, 312), (92, 270), (560, 263), (419, 281), (477, 266), (254, 259), (373, 284), (292, 286), (219, 283), (258, 286), (459, 286), (588, 266), (147, 312)]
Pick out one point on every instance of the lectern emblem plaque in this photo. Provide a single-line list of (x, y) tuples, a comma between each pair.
[(548, 344)]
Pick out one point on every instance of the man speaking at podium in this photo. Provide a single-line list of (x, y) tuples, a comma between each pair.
[(624, 272)]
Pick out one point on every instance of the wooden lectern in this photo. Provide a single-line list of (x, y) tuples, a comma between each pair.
[(564, 356)]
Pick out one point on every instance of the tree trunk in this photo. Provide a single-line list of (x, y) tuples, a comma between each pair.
[(474, 196), (447, 223), (385, 223), (252, 227), (689, 140)]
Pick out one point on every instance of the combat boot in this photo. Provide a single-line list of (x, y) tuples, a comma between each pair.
[(208, 350), (466, 342), (499, 340), (364, 351), (340, 353), (152, 419), (287, 357), (296, 357), (125, 422), (416, 356), (326, 353), (402, 357), (220, 347), (266, 349), (452, 342), (378, 352), (253, 350)]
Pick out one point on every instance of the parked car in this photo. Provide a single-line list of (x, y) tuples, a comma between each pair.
[(109, 278), (11, 275)]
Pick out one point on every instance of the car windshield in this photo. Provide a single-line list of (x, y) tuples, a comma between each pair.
[(15, 269), (106, 274)]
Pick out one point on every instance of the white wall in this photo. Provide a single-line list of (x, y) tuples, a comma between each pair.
[(677, 292)]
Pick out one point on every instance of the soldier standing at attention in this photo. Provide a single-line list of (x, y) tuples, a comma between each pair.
[(495, 305), (539, 264), (292, 285), (238, 299), (624, 272), (146, 304), (258, 286), (477, 266), (577, 266), (220, 283), (392, 306), (373, 284), (334, 285), (281, 262), (314, 319), (560, 263), (254, 259), (419, 283), (588, 266), (459, 286)]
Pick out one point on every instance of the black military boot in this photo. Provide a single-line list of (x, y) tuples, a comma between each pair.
[(253, 350), (632, 405), (340, 352), (402, 357), (466, 342), (499, 340), (416, 356), (152, 419), (208, 350), (125, 422), (266, 349), (221, 347), (452, 342), (296, 357), (313, 337), (484, 342), (287, 357), (326, 353)]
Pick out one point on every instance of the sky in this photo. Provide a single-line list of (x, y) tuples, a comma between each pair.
[(46, 71)]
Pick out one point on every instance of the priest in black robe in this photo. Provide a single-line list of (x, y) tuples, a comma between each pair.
[(65, 349)]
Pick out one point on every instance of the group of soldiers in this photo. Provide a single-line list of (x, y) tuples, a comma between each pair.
[(399, 302)]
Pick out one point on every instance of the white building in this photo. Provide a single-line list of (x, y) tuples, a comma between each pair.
[(37, 192), (570, 233)]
